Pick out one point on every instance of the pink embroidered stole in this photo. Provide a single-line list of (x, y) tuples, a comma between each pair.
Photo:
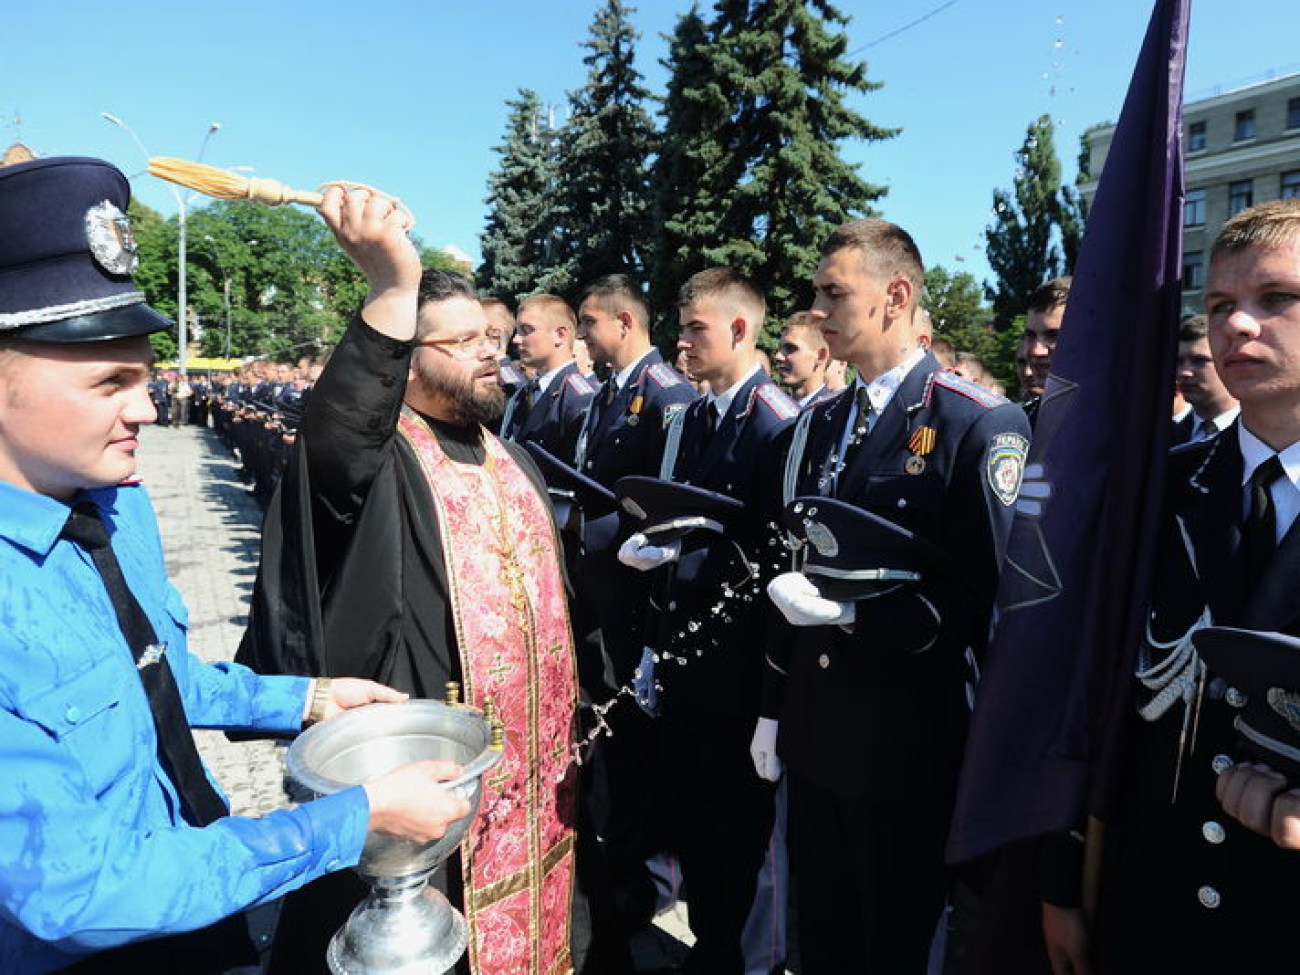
[(511, 615)]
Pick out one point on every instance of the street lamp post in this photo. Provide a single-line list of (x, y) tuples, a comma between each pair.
[(182, 205)]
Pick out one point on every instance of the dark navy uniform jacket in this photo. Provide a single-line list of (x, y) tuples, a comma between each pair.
[(623, 437), (1185, 887), (891, 693), (627, 436), (737, 461), (555, 420)]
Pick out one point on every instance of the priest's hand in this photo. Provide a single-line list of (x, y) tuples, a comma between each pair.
[(1257, 797), (371, 229), (410, 802), (333, 696), (800, 603)]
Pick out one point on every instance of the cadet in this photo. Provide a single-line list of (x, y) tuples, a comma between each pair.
[(551, 407), (1185, 887), (720, 813), (801, 360), (623, 435), (120, 853), (871, 695)]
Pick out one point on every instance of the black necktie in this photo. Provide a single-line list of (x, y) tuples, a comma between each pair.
[(710, 424), (861, 424), (608, 390), (1259, 534), (176, 748)]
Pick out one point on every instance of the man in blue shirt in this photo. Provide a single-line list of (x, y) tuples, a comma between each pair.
[(115, 855)]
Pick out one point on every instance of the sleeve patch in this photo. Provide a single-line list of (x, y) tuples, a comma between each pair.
[(1006, 466), (664, 376), (972, 391)]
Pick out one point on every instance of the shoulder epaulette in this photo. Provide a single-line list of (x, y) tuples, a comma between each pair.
[(578, 383), (664, 376), (972, 391), (781, 405)]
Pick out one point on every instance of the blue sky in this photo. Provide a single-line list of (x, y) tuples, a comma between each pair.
[(410, 96)]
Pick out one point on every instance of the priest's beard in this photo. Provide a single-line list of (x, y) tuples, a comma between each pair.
[(466, 402)]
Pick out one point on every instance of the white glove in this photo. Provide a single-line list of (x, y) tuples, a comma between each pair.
[(762, 749), (798, 601), (643, 684), (638, 553)]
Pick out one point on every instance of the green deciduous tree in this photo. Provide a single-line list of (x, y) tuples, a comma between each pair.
[(1034, 225), (605, 146), (520, 244), (292, 290), (957, 310)]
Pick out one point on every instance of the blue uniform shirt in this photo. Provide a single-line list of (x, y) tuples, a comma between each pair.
[(94, 850)]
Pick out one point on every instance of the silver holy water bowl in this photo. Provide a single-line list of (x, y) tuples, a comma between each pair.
[(404, 926)]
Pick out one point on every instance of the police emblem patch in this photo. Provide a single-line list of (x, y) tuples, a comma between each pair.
[(1287, 704), (112, 243), (1006, 466)]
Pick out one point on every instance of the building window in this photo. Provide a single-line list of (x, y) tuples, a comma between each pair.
[(1290, 185), (1241, 194), (1196, 137), (1193, 271), (1244, 127), (1293, 113), (1194, 209)]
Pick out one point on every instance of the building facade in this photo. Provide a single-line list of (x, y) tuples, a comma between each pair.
[(1241, 148)]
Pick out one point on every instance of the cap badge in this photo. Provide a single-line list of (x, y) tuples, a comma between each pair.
[(112, 242), (1287, 704), (822, 539)]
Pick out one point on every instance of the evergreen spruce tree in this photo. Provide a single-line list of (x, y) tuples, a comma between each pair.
[(604, 150), (688, 188), (771, 165), (519, 245), (1032, 224)]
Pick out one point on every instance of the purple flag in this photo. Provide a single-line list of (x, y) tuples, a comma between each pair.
[(1073, 590)]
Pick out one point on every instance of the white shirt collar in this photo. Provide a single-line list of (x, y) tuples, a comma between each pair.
[(1254, 452), (722, 401), (1222, 421), (624, 376), (545, 380), (882, 389), (805, 400)]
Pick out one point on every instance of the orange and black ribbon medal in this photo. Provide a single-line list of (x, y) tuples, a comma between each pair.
[(920, 444)]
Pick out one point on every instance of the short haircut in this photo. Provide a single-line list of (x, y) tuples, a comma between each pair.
[(804, 323), (723, 282), (1050, 294), (1270, 224), (972, 363), (1193, 328), (887, 249), (554, 308), (443, 286), (943, 351), (617, 293)]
